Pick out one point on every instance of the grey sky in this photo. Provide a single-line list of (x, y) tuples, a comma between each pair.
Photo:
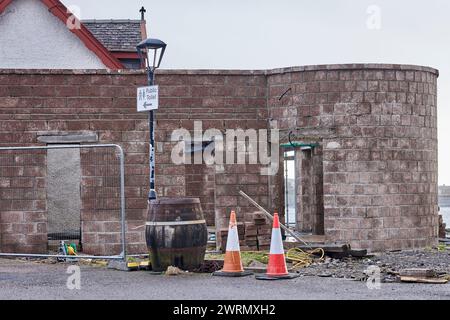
[(260, 34)]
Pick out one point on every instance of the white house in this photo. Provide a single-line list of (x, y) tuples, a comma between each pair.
[(44, 34)]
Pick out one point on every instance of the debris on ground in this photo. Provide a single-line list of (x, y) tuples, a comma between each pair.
[(390, 264), (95, 262), (431, 265), (209, 266), (331, 250), (421, 275), (173, 271), (336, 250)]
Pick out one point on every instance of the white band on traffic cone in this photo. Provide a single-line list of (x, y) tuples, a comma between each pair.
[(276, 243), (233, 239)]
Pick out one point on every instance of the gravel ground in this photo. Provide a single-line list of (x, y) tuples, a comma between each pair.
[(31, 280), (390, 264)]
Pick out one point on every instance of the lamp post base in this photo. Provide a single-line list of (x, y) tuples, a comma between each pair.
[(152, 195)]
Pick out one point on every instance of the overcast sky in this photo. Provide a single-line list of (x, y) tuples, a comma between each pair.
[(261, 34)]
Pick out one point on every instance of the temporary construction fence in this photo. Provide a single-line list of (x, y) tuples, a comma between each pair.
[(73, 193)]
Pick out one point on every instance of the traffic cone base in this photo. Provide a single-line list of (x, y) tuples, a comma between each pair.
[(232, 266), (232, 274), (283, 277)]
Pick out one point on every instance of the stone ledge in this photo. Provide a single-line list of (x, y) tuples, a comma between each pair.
[(57, 137), (325, 67), (355, 66)]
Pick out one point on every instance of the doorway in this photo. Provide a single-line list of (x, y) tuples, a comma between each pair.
[(303, 189), (290, 194), (63, 195)]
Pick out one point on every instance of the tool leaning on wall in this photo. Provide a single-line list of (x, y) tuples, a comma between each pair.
[(299, 257)]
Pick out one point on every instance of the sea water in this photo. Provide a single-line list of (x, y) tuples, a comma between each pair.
[(445, 211), (444, 204)]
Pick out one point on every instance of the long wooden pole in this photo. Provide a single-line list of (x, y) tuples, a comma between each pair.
[(292, 233)]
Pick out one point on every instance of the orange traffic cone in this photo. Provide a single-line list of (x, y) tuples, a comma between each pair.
[(232, 266), (277, 268)]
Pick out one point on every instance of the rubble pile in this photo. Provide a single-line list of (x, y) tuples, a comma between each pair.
[(390, 264)]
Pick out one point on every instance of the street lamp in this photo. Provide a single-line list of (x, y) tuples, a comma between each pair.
[(151, 52)]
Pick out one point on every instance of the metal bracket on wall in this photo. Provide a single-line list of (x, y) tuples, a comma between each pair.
[(303, 145)]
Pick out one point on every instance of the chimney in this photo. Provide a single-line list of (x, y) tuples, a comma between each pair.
[(143, 23), (143, 28)]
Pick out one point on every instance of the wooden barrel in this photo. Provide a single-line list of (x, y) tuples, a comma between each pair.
[(176, 233)]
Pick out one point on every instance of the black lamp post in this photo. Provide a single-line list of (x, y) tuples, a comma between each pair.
[(151, 52)]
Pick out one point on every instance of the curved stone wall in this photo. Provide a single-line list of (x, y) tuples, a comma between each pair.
[(377, 135)]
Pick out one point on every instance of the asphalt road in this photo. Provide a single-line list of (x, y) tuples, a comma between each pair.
[(30, 280)]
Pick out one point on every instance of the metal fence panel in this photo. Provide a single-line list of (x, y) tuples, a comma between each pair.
[(62, 192)]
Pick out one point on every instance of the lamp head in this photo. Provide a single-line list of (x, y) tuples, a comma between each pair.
[(154, 50)]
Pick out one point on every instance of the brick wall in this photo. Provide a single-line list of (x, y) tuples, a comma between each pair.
[(221, 100), (375, 125), (200, 183), (23, 226), (100, 199), (36, 102), (309, 193)]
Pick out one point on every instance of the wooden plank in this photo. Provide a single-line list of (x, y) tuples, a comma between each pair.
[(336, 251), (358, 253), (423, 280), (418, 272)]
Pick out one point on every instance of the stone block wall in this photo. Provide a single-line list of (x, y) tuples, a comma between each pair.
[(377, 125), (200, 183), (36, 103), (100, 202), (374, 173), (221, 100), (23, 223), (309, 193)]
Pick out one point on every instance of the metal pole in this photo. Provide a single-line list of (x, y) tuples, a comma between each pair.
[(63, 146), (151, 123), (122, 200), (29, 255)]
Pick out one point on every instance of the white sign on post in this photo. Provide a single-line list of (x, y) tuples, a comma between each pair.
[(147, 98)]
